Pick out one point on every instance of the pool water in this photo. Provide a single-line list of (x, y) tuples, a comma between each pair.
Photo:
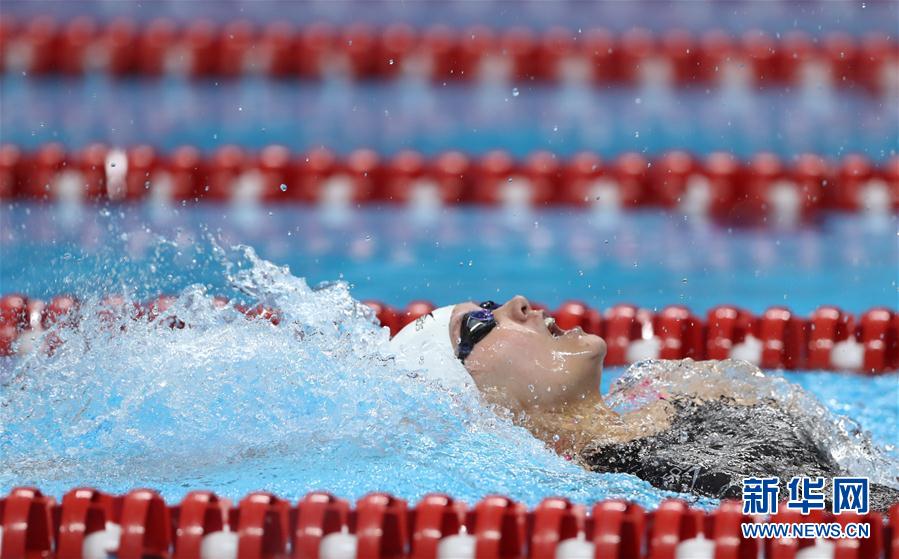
[(235, 405), (316, 402), (774, 17), (430, 118), (393, 255)]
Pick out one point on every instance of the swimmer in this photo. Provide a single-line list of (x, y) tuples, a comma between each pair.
[(547, 379)]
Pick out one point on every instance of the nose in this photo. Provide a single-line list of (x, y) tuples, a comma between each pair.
[(518, 308)]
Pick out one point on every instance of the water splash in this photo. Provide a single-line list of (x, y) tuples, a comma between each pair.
[(235, 405)]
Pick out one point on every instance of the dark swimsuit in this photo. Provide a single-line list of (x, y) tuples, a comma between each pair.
[(710, 447)]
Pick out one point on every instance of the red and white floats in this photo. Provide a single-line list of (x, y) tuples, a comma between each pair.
[(90, 524), (203, 49), (762, 190), (828, 339)]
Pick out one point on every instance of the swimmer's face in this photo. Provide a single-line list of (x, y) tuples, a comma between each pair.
[(526, 365)]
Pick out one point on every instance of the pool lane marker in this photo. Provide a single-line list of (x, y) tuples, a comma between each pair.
[(828, 339)]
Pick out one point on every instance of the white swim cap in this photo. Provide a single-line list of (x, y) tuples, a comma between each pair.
[(424, 346)]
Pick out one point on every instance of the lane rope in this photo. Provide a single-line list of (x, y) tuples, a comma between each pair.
[(763, 189), (828, 339), (90, 523), (202, 49)]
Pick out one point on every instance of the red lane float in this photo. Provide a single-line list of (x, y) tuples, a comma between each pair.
[(13, 321), (783, 336), (263, 526), (201, 49), (410, 178), (318, 515), (436, 517), (672, 523), (28, 525), (621, 328), (764, 190), (381, 526), (499, 526), (727, 326), (828, 326), (726, 533), (200, 513), (554, 521), (830, 339), (618, 529), (84, 512), (680, 333), (146, 525), (892, 533)]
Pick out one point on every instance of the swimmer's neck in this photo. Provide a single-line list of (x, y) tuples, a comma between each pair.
[(571, 427)]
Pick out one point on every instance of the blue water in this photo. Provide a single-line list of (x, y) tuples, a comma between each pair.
[(388, 254), (236, 405), (316, 402), (778, 16), (518, 117)]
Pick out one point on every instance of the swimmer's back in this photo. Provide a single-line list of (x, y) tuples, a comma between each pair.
[(710, 447)]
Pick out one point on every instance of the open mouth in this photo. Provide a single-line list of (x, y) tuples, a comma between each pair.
[(553, 328)]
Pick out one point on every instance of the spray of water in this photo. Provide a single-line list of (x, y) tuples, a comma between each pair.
[(232, 404), (236, 405)]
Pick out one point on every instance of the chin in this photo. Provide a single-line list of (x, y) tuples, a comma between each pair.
[(595, 345)]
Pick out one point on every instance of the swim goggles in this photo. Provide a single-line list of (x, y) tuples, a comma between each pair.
[(475, 326)]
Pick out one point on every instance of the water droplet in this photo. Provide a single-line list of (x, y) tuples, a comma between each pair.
[(684, 281), (638, 101), (283, 187), (390, 62), (531, 387), (515, 92), (636, 134)]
